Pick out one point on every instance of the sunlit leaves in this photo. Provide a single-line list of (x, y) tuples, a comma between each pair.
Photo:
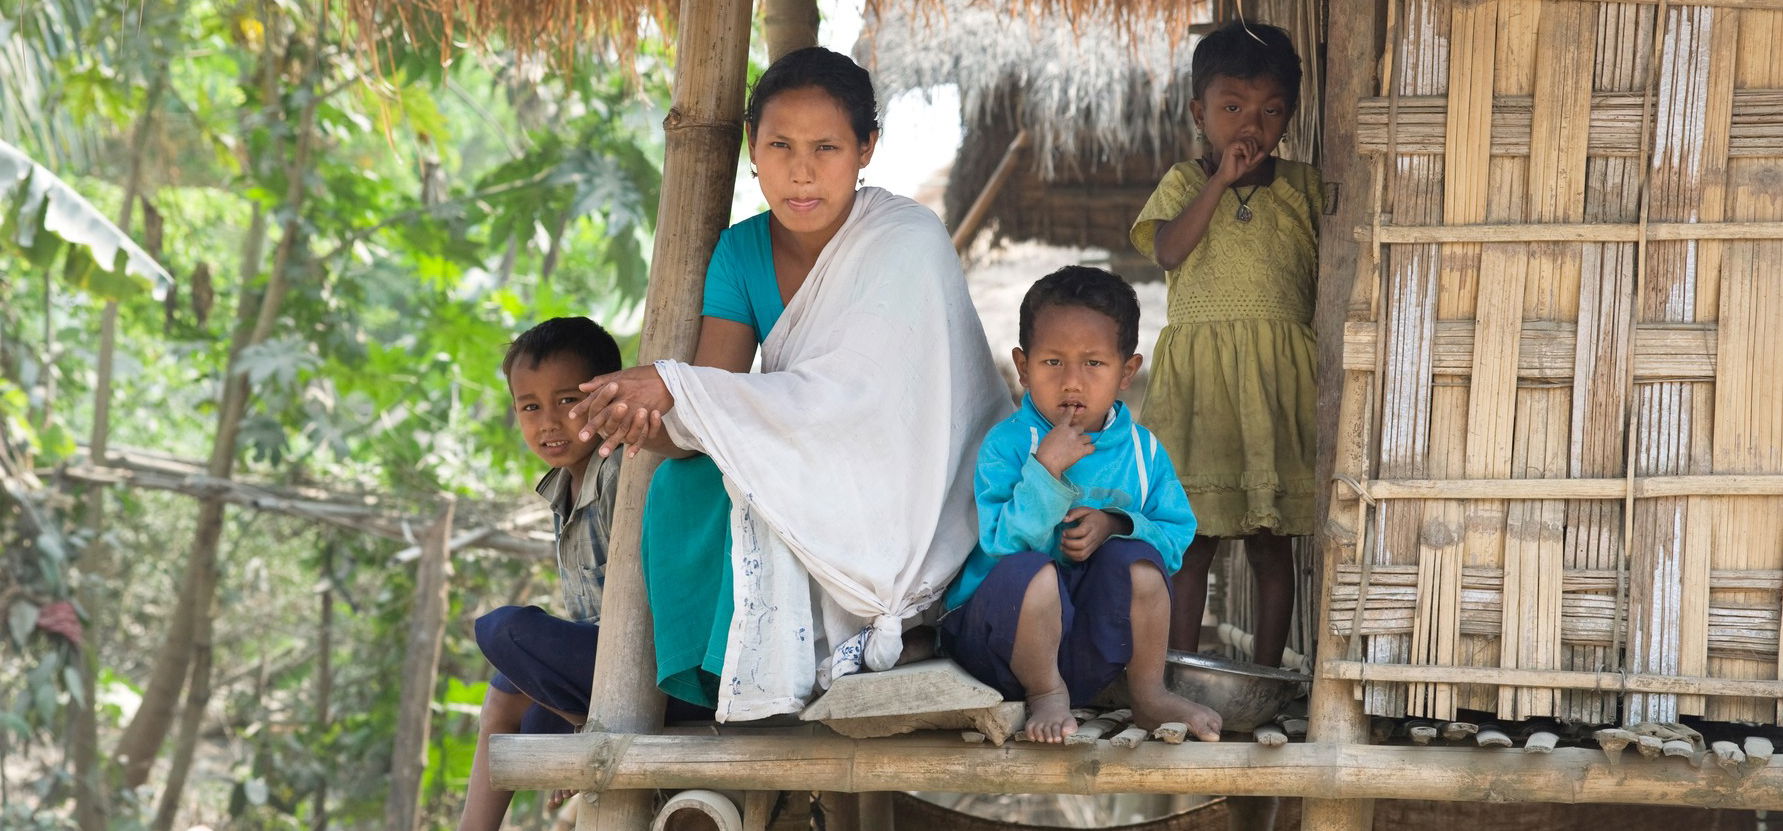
[(52, 226)]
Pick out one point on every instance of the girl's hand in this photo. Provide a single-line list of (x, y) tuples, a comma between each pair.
[(1093, 528), (1239, 158), (625, 408), (1064, 444)]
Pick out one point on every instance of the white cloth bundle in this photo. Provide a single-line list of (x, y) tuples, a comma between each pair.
[(849, 457)]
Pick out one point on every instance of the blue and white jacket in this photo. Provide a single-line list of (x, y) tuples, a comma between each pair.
[(1022, 506)]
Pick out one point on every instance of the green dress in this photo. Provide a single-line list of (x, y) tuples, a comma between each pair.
[(685, 550), (1232, 394)]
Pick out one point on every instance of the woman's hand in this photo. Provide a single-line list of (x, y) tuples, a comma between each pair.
[(624, 408)]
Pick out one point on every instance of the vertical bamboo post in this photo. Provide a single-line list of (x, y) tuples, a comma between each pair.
[(787, 25), (1352, 41), (702, 134), (421, 659)]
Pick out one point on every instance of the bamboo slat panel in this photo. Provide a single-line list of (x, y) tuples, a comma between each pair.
[(1569, 329)]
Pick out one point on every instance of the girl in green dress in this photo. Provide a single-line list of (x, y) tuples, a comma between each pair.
[(1232, 392)]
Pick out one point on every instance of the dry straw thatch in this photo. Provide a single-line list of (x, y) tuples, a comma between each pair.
[(1087, 89), (561, 28), (1103, 98)]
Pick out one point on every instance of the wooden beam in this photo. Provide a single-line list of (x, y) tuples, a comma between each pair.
[(981, 207), (495, 526), (937, 763), (1352, 47), (702, 134)]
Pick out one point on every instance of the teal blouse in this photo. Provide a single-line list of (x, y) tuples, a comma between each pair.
[(686, 535)]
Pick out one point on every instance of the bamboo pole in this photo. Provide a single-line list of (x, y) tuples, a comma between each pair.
[(1569, 232), (935, 763), (1562, 679), (1547, 351), (787, 25), (1645, 487), (702, 134), (1614, 115), (1334, 714), (981, 206), (421, 658)]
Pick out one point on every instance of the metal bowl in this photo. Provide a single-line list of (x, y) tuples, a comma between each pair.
[(1245, 695)]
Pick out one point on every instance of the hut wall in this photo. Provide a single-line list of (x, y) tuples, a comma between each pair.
[(1573, 273)]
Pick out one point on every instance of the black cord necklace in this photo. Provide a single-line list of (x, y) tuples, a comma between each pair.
[(1244, 213), (1244, 204)]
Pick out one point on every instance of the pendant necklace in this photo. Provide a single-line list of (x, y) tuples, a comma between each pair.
[(1244, 203), (1244, 213)]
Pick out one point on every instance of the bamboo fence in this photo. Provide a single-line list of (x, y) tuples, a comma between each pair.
[(1564, 358)]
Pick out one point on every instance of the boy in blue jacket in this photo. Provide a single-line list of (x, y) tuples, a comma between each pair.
[(1081, 521)]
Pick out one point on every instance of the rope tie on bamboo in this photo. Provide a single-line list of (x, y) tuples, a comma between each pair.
[(605, 750)]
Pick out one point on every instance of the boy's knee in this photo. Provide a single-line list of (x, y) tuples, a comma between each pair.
[(1044, 585), (1147, 579), (503, 710), (497, 626)]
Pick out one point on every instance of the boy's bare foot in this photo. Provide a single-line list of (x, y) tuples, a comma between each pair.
[(1049, 716), (1156, 705)]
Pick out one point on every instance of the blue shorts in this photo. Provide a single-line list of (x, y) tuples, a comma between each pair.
[(1095, 600), (551, 661)]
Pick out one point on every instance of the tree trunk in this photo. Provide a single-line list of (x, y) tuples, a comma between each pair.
[(324, 676), (142, 740), (191, 720), (421, 658), (90, 792), (702, 134), (787, 25)]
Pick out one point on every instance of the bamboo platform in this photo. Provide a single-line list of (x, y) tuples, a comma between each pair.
[(807, 761)]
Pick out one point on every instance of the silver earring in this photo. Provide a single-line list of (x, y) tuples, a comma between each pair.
[(752, 171), (860, 182)]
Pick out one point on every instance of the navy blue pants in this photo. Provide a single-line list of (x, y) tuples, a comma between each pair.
[(1095, 602), (551, 661)]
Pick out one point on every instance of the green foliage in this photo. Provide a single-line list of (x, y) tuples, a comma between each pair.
[(425, 219)]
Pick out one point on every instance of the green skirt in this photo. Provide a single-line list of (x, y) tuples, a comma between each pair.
[(685, 553), (1234, 404)]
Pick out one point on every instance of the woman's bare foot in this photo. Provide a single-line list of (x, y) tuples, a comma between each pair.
[(1156, 705), (1049, 716)]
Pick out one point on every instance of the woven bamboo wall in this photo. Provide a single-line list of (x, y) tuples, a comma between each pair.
[(1573, 273)]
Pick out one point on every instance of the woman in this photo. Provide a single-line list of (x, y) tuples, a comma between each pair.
[(848, 460)]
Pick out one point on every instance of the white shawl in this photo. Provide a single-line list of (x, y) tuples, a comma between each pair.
[(849, 457)]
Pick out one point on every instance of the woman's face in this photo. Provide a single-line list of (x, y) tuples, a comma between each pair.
[(808, 160)]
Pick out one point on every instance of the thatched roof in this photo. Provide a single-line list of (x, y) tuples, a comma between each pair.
[(561, 27), (1104, 100), (1086, 90)]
